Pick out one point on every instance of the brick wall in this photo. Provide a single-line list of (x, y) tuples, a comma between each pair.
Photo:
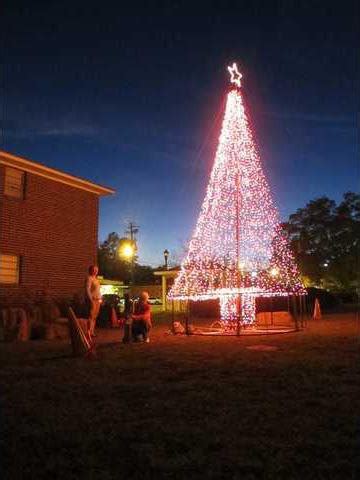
[(54, 230)]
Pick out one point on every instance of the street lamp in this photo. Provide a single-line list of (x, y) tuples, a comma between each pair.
[(166, 256), (127, 251)]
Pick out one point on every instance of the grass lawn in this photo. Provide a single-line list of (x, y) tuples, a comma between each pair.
[(185, 407)]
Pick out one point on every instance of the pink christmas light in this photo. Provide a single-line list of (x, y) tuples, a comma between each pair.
[(238, 251)]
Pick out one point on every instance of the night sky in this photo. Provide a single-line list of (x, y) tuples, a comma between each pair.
[(133, 97)]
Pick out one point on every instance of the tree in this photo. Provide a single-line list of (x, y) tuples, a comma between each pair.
[(115, 267), (144, 275), (325, 240), (111, 265), (238, 251), (310, 231)]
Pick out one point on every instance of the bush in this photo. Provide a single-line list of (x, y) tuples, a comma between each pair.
[(327, 300)]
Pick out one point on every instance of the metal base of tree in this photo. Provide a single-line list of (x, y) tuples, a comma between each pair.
[(243, 320)]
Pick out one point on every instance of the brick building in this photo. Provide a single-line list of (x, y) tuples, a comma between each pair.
[(48, 230)]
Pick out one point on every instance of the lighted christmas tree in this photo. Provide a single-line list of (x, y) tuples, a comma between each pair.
[(238, 251)]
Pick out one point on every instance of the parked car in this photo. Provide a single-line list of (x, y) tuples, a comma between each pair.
[(155, 301), (152, 300), (112, 300)]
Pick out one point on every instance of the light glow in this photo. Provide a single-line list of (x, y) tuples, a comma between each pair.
[(274, 272), (248, 310), (238, 250), (127, 250), (235, 75), (236, 310), (229, 311), (241, 266)]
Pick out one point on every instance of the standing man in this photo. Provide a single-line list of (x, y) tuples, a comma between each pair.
[(93, 297)]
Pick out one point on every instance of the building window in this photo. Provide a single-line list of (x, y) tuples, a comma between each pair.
[(14, 183), (9, 269)]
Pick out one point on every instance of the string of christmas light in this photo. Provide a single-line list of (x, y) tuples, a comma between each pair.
[(238, 251)]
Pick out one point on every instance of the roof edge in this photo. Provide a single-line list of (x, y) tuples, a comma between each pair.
[(53, 174)]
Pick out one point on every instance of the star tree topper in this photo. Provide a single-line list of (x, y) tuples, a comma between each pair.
[(235, 75)]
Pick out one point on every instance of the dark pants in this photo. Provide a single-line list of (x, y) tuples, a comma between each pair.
[(140, 327), (127, 331)]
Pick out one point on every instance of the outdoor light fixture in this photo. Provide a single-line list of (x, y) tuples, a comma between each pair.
[(166, 256), (127, 250)]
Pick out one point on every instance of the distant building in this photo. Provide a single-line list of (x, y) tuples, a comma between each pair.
[(112, 287), (167, 279), (48, 230)]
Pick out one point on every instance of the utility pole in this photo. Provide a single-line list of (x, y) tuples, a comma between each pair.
[(132, 230)]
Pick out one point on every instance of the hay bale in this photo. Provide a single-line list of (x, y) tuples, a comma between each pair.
[(50, 332), (278, 318), (50, 311), (24, 326), (3, 317), (44, 317), (61, 328), (15, 324)]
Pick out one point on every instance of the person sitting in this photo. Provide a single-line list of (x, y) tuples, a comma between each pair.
[(128, 308), (141, 319)]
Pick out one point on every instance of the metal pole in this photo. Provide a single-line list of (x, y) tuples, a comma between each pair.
[(267, 303), (305, 310), (166, 256), (308, 307), (238, 326), (187, 317), (132, 271), (295, 313)]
